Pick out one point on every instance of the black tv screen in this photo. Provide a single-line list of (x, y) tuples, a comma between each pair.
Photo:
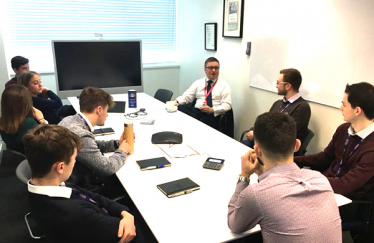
[(115, 66)]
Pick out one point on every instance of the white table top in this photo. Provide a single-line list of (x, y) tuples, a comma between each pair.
[(200, 216)]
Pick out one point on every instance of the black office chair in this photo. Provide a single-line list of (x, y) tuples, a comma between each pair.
[(226, 123), (304, 144), (23, 173), (163, 95), (363, 222)]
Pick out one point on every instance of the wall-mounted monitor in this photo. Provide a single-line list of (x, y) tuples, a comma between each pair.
[(113, 65)]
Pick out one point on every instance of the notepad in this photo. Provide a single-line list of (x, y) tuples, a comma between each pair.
[(103, 131), (154, 163), (178, 187)]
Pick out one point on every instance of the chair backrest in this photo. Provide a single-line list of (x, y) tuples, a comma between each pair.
[(226, 123), (304, 144), (163, 95), (23, 171)]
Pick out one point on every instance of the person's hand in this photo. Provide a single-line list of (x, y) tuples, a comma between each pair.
[(250, 135), (249, 163), (44, 92), (260, 167), (207, 109), (125, 147), (38, 115), (123, 137), (126, 229)]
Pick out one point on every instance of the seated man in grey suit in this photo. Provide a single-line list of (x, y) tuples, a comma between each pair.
[(94, 104), (292, 104)]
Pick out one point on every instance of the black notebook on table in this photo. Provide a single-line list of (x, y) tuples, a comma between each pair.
[(155, 163), (178, 187)]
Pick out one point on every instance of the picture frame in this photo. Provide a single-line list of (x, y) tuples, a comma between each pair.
[(210, 36), (233, 12)]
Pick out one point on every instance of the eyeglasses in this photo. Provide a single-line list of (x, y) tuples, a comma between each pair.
[(211, 68), (278, 82)]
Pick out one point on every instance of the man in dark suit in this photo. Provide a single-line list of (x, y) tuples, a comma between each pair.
[(292, 104)]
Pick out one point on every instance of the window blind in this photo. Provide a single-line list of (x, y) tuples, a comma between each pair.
[(30, 26)]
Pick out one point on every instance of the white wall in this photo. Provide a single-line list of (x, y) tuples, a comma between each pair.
[(247, 102)]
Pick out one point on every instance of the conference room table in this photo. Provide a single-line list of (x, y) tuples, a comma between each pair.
[(200, 216)]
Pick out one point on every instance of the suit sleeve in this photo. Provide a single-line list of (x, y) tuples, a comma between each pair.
[(91, 156)]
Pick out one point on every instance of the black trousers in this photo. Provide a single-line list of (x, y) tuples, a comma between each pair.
[(206, 118)]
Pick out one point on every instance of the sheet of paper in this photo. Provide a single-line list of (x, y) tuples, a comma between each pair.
[(177, 150)]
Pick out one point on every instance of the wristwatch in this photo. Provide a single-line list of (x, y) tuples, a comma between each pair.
[(242, 178), (116, 144)]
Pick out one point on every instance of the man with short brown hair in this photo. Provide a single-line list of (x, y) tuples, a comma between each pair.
[(94, 104)]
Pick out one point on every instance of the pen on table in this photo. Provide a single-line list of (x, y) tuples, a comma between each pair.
[(155, 167)]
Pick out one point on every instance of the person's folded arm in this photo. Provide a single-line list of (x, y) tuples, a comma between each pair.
[(244, 212), (356, 178), (42, 103), (91, 156), (323, 158), (87, 225)]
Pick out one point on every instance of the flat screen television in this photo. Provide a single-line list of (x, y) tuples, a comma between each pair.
[(113, 65)]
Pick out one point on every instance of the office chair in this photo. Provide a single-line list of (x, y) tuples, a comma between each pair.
[(304, 144), (23, 173), (163, 95), (363, 222), (226, 123)]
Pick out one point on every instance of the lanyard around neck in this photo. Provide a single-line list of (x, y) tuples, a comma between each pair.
[(284, 107), (344, 150)]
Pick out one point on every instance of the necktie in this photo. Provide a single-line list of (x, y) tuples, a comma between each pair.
[(209, 101)]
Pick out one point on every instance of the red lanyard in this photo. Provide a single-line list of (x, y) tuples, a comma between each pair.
[(206, 85)]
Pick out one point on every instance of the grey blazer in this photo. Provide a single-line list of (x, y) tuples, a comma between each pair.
[(91, 153)]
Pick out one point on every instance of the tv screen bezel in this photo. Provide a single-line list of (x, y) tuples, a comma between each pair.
[(113, 90)]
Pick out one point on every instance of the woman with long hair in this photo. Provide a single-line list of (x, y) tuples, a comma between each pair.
[(44, 99), (17, 116)]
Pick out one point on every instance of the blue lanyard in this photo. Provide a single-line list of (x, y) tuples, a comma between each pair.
[(85, 122), (284, 107), (345, 148)]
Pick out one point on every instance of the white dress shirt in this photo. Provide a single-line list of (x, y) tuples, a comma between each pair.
[(221, 95)]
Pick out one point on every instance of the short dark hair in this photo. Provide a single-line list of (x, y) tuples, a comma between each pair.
[(92, 97), (25, 77), (292, 76), (210, 59), (47, 144), (362, 95), (18, 61), (275, 133)]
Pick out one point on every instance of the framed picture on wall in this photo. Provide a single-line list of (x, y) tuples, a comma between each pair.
[(210, 36), (233, 11)]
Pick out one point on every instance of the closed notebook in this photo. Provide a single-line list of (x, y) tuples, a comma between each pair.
[(178, 187), (103, 131), (155, 163)]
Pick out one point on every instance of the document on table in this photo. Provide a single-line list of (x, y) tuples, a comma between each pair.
[(177, 150)]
